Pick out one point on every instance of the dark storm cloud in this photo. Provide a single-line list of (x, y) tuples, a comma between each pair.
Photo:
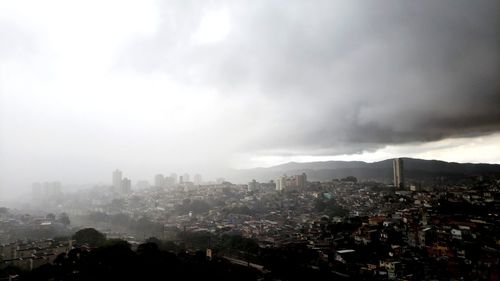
[(346, 76)]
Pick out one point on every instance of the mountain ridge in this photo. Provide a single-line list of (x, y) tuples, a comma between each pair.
[(415, 168)]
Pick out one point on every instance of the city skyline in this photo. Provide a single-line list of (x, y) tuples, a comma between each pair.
[(207, 87), (397, 178)]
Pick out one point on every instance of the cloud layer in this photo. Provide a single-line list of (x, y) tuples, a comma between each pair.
[(343, 74), (155, 86)]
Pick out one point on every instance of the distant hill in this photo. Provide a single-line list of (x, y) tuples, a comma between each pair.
[(415, 169)]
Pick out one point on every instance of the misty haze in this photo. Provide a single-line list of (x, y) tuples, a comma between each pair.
[(249, 140)]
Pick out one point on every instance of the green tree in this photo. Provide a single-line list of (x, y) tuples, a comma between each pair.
[(89, 236)]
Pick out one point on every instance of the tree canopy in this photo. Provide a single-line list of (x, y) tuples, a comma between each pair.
[(89, 236)]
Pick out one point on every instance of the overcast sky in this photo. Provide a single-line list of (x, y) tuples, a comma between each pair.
[(191, 86)]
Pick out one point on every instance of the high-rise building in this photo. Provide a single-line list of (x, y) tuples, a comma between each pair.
[(126, 186), (281, 183), (169, 181), (117, 180), (253, 185), (159, 180), (55, 188), (300, 181), (36, 190), (46, 190), (197, 179), (185, 177), (143, 184), (398, 170), (174, 176)]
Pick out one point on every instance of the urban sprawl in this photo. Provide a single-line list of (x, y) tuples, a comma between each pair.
[(348, 228)]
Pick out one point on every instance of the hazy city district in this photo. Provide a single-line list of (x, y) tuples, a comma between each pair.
[(291, 227)]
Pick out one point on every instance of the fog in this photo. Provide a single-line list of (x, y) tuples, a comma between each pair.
[(199, 87)]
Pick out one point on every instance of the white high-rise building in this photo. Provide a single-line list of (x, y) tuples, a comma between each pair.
[(398, 170), (159, 180), (143, 184), (46, 190), (253, 185), (174, 177), (36, 190), (169, 181), (185, 177), (281, 183), (197, 179), (117, 180), (126, 185)]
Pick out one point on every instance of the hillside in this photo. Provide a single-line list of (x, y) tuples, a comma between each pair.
[(415, 169)]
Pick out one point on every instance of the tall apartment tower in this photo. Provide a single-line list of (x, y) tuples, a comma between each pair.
[(300, 180), (174, 176), (117, 180), (399, 180), (126, 186), (197, 179), (253, 185), (185, 177), (281, 183), (159, 180)]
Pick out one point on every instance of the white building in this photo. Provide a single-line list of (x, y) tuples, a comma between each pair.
[(126, 185), (281, 183), (197, 179), (398, 170), (253, 185), (159, 180), (169, 181), (117, 179), (174, 177), (185, 177), (143, 184)]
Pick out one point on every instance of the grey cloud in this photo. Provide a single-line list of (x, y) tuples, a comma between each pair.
[(348, 73)]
